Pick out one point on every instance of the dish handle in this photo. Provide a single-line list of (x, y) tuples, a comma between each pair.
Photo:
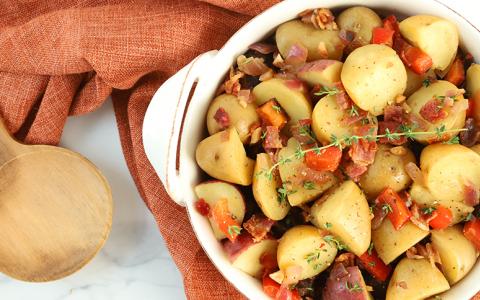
[(163, 121)]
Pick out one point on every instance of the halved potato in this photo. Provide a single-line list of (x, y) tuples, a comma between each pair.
[(391, 243), (457, 253), (265, 190), (473, 88), (360, 20), (374, 76), (424, 198), (242, 118), (213, 191), (245, 253), (345, 213), (325, 72), (305, 247), (223, 157), (297, 32), (327, 120), (429, 33), (448, 169), (298, 194), (415, 279), (388, 170), (476, 148), (290, 94), (425, 94)]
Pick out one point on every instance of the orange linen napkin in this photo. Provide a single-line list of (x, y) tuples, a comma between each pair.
[(65, 57)]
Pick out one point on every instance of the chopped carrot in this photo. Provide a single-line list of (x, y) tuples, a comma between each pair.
[(272, 114), (224, 219), (382, 36), (396, 207), (327, 160), (456, 74), (443, 218), (413, 57), (375, 266)]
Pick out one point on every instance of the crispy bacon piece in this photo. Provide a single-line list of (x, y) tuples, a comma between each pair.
[(349, 119), (392, 126), (297, 55), (415, 173), (363, 152), (343, 100), (379, 214), (354, 171), (320, 18), (202, 207), (269, 262), (433, 111), (245, 97), (253, 66), (302, 132), (263, 48), (222, 118), (347, 259), (272, 138), (419, 219), (232, 84), (427, 251), (471, 194), (258, 227), (394, 113)]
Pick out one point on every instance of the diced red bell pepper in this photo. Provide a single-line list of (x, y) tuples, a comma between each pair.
[(202, 207), (471, 108), (226, 223), (375, 266), (398, 213), (413, 57), (456, 74), (443, 218), (382, 36), (327, 160), (471, 230), (271, 288)]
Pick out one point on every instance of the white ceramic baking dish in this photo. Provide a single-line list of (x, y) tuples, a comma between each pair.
[(173, 126)]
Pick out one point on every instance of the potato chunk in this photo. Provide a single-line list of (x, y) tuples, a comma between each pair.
[(388, 170), (360, 20), (345, 213), (415, 279), (429, 33), (457, 253), (242, 118), (391, 243), (265, 190), (297, 32), (374, 76), (304, 246), (223, 157)]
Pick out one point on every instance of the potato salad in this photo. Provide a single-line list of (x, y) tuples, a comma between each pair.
[(341, 160)]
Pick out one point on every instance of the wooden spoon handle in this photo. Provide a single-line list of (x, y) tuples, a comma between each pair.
[(9, 148)]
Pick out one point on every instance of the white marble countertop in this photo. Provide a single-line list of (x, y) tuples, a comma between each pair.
[(134, 264)]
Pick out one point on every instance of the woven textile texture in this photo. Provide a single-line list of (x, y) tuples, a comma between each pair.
[(62, 58)]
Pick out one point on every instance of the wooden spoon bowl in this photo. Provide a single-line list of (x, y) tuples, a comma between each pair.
[(55, 210)]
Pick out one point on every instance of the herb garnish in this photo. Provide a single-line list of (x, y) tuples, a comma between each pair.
[(234, 229), (330, 239), (328, 225), (387, 208), (370, 248), (312, 258), (406, 131), (353, 287), (283, 192), (428, 210), (309, 185), (277, 108), (328, 91), (426, 82)]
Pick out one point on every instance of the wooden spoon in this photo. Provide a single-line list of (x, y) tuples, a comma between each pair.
[(55, 210)]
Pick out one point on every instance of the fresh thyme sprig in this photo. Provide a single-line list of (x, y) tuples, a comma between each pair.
[(406, 131), (326, 91)]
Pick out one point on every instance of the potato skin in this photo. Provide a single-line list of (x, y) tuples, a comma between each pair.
[(473, 88), (457, 253), (298, 243), (360, 20), (346, 210), (388, 170), (447, 168), (422, 279), (242, 118), (429, 33), (373, 76), (391, 243), (423, 95), (265, 190), (289, 170), (296, 31), (223, 157)]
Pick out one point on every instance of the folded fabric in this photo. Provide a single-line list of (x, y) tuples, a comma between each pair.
[(61, 58)]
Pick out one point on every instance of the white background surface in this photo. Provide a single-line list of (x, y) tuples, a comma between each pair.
[(134, 263)]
